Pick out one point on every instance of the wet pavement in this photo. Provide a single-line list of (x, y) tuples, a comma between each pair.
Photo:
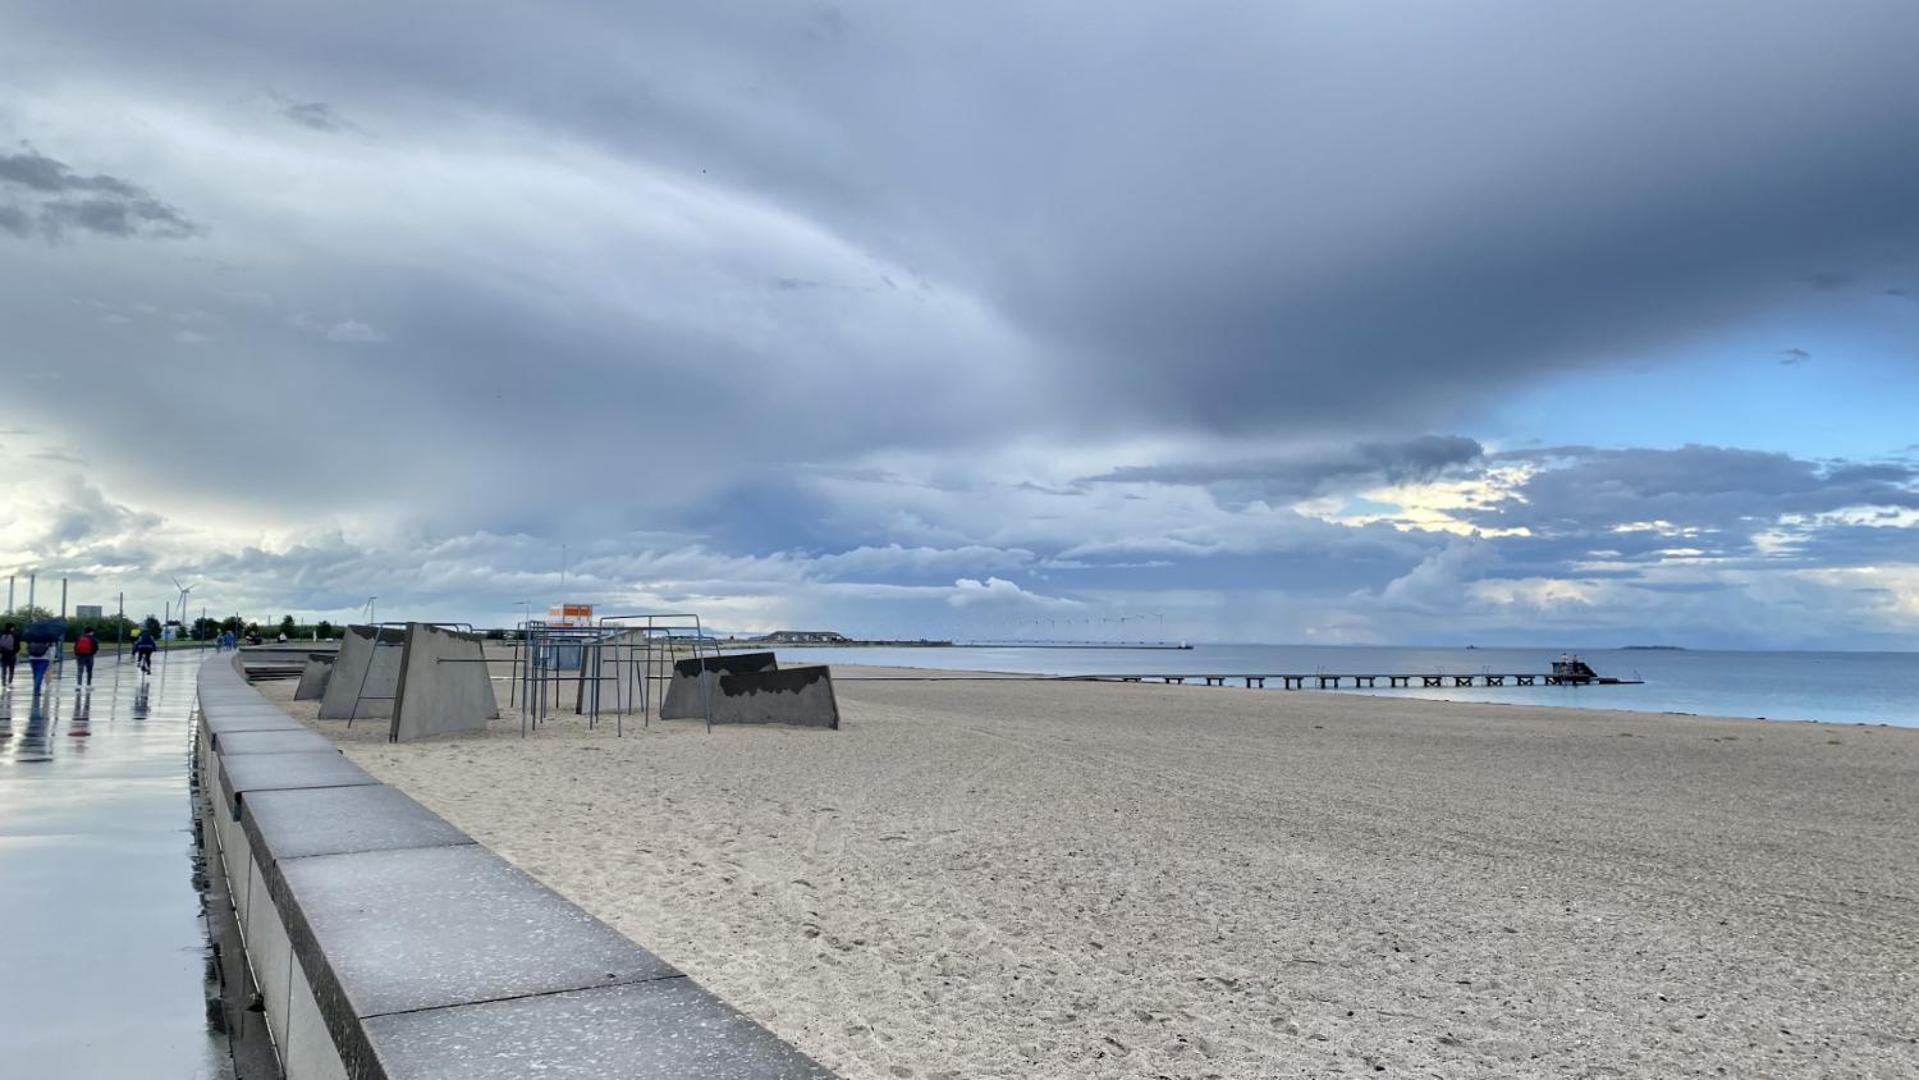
[(103, 949)]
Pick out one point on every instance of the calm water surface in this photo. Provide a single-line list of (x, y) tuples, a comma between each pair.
[(1861, 688)]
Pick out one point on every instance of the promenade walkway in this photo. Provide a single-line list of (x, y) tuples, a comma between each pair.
[(103, 960)]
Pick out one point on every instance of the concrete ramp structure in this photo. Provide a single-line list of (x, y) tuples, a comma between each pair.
[(695, 681), (801, 696), (443, 685), (366, 677), (313, 677), (751, 688)]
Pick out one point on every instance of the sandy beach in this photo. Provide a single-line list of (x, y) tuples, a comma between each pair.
[(1034, 879)]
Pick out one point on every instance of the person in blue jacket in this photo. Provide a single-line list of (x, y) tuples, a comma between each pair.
[(41, 651), (143, 649)]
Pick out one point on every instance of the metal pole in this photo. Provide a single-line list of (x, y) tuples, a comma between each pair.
[(33, 580), (706, 703), (119, 626), (63, 599)]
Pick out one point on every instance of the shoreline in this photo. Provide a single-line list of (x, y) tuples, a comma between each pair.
[(972, 675)]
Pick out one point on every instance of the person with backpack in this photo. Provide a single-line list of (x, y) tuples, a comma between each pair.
[(9, 654), (143, 650), (85, 648)]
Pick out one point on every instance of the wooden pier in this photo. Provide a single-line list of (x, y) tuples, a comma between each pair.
[(1336, 681)]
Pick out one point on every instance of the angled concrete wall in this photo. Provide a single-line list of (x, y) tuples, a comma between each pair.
[(443, 685), (313, 677), (801, 696), (364, 668), (683, 691)]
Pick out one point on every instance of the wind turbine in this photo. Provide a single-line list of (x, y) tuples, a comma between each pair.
[(182, 607)]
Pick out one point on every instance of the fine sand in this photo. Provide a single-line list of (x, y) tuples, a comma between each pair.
[(1031, 879)]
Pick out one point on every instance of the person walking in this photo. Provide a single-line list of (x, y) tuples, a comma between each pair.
[(9, 654), (40, 653), (143, 649), (85, 648)]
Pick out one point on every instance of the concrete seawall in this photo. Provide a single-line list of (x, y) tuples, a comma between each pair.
[(387, 944)]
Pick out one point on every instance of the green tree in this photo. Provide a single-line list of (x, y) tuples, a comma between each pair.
[(25, 614), (289, 628), (324, 629)]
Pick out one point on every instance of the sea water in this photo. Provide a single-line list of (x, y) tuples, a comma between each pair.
[(1837, 687)]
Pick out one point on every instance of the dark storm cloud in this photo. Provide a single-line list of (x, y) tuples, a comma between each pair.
[(1311, 472), (1729, 493), (1234, 217), (43, 195)]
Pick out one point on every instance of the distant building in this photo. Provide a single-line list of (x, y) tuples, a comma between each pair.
[(804, 637), (88, 611)]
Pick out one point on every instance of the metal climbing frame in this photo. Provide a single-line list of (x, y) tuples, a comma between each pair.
[(541, 655), (640, 652), (616, 666)]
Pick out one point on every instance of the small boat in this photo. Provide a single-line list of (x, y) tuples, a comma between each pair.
[(1570, 670)]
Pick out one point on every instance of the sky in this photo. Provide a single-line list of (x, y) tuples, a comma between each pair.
[(1494, 323)]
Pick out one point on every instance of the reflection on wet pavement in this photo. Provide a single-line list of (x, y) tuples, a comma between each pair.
[(105, 962)]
